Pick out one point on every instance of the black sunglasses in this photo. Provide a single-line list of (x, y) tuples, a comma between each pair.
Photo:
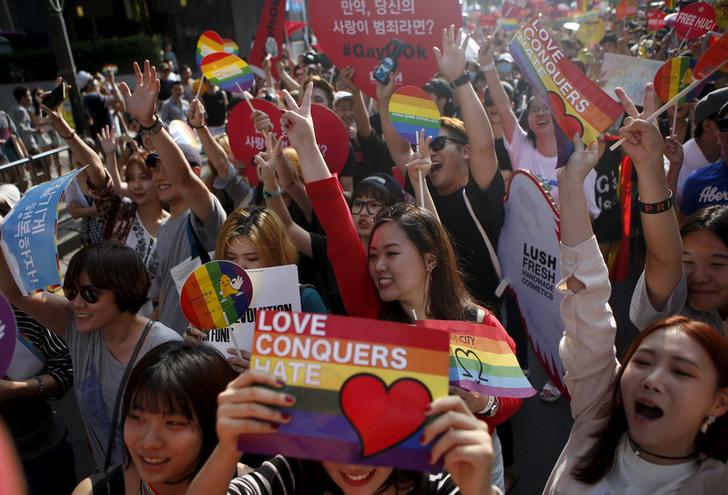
[(440, 141), (89, 293), (723, 124)]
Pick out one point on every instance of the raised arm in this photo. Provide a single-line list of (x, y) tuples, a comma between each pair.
[(645, 146), (141, 105), (418, 169), (399, 148), (451, 62), (497, 93), (108, 141), (216, 155), (361, 116)]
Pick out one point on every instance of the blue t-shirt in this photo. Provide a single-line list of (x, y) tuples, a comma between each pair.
[(705, 187)]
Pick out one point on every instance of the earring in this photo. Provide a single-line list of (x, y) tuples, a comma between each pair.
[(706, 424)]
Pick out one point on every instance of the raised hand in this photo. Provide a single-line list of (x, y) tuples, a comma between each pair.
[(143, 102), (261, 121), (420, 162), (108, 139), (385, 91), (486, 55), (644, 143), (346, 79), (674, 151), (250, 404), (582, 160), (265, 160), (297, 121), (463, 443), (451, 59), (196, 115)]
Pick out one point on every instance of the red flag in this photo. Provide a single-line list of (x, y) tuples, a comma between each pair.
[(293, 26), (269, 37)]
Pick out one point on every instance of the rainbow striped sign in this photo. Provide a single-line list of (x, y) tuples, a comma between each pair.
[(208, 42), (215, 295), (230, 46), (411, 110), (361, 387), (508, 23), (181, 132), (675, 75), (482, 359), (577, 104), (228, 71)]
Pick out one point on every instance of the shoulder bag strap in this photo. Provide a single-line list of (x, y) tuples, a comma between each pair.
[(196, 247), (120, 394)]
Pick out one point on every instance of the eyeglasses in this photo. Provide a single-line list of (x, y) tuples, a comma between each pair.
[(372, 206), (723, 124), (89, 293), (439, 142), (536, 109)]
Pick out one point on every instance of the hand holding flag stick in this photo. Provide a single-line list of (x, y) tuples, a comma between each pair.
[(675, 99), (420, 161)]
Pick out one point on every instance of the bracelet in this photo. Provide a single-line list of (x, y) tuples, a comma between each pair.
[(198, 126), (654, 208), (274, 194), (41, 386), (490, 66), (488, 406), (66, 138), (460, 81), (154, 124)]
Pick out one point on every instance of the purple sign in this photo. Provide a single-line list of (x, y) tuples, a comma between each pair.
[(8, 334)]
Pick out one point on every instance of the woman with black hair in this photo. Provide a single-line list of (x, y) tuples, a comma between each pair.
[(168, 415), (104, 288)]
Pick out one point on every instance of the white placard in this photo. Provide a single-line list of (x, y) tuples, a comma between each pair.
[(629, 73)]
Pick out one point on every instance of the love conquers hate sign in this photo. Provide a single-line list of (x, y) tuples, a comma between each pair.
[(361, 386)]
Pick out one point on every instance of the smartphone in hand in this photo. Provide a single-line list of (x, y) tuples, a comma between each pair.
[(388, 64), (55, 98)]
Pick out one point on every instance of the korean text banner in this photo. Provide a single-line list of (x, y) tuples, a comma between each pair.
[(577, 104), (361, 387), (29, 236)]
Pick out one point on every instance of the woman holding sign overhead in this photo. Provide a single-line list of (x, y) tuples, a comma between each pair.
[(251, 404), (656, 423), (104, 288)]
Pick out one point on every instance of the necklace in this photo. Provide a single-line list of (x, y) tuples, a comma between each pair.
[(639, 450), (145, 489)]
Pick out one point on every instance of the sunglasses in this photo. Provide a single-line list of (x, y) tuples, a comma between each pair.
[(723, 124), (372, 206), (440, 141), (89, 293)]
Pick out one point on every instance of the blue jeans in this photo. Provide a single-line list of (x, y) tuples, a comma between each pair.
[(496, 477)]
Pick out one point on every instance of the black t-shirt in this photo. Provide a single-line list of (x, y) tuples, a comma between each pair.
[(215, 108), (371, 157), (165, 89), (96, 108), (474, 261), (608, 225), (504, 160)]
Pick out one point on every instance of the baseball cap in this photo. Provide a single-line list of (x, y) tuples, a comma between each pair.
[(710, 104), (504, 57), (342, 95), (83, 78)]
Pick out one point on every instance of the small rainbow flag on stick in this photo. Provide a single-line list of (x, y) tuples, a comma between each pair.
[(481, 358), (675, 75), (209, 42), (411, 109), (215, 295), (228, 71), (361, 386)]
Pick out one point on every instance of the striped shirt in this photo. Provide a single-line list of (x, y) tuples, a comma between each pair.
[(282, 476)]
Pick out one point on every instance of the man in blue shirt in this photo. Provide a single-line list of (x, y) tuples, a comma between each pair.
[(709, 185)]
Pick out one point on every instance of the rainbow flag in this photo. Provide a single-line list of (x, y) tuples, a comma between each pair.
[(675, 75), (577, 104), (208, 42), (361, 387), (481, 358), (215, 295), (231, 47), (228, 71), (508, 24), (411, 110)]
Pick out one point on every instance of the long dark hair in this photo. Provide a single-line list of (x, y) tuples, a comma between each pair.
[(448, 298), (180, 378), (713, 218), (598, 461)]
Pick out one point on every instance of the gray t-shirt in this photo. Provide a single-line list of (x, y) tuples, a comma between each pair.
[(235, 186), (174, 250), (643, 314), (97, 376)]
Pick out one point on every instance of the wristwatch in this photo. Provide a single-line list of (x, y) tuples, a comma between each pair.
[(154, 128), (460, 81)]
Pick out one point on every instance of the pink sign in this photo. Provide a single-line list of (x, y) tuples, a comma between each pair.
[(357, 34), (694, 20)]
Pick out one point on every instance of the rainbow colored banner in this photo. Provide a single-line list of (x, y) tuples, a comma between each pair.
[(361, 387), (482, 359), (215, 295), (577, 104), (208, 42), (675, 75), (231, 46), (228, 71), (411, 110), (508, 24)]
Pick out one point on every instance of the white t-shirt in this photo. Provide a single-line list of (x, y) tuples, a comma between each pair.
[(632, 475), (525, 156)]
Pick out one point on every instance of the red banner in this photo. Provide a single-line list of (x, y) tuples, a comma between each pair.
[(269, 37), (655, 20)]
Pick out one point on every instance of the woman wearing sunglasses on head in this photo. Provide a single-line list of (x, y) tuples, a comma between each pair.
[(104, 288), (411, 272)]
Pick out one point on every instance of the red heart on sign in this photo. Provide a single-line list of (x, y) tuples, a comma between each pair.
[(569, 124), (383, 416)]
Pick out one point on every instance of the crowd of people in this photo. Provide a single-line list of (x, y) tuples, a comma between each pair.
[(162, 410)]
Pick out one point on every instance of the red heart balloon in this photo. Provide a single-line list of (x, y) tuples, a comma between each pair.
[(383, 416)]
